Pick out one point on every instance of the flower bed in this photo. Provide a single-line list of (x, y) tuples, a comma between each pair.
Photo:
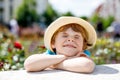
[(13, 54), (106, 51)]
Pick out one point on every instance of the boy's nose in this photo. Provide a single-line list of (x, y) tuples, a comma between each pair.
[(70, 39)]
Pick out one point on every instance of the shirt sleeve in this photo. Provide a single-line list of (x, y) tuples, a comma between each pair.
[(87, 52), (48, 52)]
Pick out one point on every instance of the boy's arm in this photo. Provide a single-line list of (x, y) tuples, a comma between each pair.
[(77, 64), (39, 62)]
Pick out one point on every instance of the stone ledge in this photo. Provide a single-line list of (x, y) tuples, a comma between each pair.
[(101, 72)]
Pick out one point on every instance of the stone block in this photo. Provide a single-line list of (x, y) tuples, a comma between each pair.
[(101, 72)]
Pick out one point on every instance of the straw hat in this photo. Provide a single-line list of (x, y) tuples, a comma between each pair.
[(54, 26)]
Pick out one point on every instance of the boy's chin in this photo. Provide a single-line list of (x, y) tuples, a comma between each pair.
[(69, 54)]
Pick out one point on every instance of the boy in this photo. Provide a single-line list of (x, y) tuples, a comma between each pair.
[(66, 39)]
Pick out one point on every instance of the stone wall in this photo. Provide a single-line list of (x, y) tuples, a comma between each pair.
[(101, 72)]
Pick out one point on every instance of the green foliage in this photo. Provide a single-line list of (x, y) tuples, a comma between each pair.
[(106, 21), (26, 13), (11, 58), (49, 15), (106, 51), (94, 18), (67, 14), (84, 17)]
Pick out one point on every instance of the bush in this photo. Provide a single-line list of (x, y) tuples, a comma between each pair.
[(106, 51), (27, 14), (11, 53)]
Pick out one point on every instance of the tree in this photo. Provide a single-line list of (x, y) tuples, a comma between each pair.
[(49, 15), (26, 13), (67, 14), (105, 20)]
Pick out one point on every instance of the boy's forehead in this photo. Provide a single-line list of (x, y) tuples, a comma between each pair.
[(64, 28), (69, 30)]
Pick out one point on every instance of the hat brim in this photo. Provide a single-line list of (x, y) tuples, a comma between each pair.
[(54, 26)]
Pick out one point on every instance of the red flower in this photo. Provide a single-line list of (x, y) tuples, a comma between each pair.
[(17, 45), (1, 64), (43, 47), (9, 50)]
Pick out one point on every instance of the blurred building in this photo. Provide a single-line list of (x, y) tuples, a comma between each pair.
[(109, 7), (8, 8)]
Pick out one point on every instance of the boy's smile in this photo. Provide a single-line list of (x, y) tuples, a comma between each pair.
[(69, 46), (68, 43)]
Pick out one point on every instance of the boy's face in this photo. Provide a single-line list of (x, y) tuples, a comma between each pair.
[(68, 43)]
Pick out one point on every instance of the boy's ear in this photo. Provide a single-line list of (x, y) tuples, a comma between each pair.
[(52, 45)]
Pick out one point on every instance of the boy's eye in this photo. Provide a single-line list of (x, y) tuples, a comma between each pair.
[(76, 37), (64, 36)]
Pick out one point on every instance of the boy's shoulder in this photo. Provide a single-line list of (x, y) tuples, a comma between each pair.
[(48, 52)]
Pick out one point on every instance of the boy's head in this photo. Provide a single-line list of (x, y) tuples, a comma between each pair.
[(76, 28), (76, 24)]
